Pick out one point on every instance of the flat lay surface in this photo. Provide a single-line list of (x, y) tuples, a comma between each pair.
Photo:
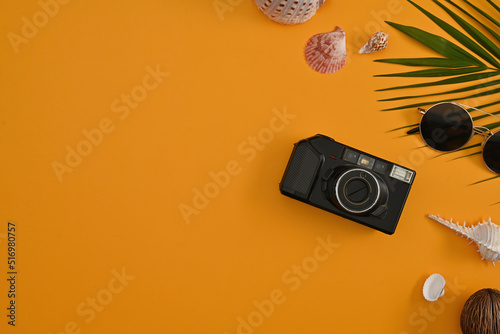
[(142, 144)]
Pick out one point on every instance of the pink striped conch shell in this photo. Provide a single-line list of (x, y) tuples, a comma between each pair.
[(289, 11), (486, 235), (327, 53), (376, 43)]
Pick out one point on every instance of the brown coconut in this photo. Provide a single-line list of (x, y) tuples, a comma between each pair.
[(481, 313)]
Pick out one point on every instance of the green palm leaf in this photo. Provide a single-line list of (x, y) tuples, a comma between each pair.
[(438, 44), (467, 147), (494, 5), (430, 62), (460, 90), (482, 12), (404, 127), (419, 104), (482, 106), (459, 36), (477, 35), (491, 178), (484, 116), (436, 72), (492, 126), (491, 31), (472, 56), (465, 156), (453, 80)]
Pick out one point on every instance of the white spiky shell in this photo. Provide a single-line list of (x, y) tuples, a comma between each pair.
[(289, 11), (486, 235)]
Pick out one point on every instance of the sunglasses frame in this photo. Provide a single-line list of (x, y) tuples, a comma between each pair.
[(480, 130)]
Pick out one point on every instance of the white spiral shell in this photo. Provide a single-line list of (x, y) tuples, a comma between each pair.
[(289, 11), (486, 235)]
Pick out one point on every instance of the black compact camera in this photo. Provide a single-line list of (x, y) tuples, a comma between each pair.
[(347, 182)]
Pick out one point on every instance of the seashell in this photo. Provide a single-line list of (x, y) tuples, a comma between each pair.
[(434, 287), (289, 11), (486, 235), (376, 43), (327, 53)]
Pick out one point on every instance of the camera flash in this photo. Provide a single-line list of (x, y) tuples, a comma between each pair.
[(402, 174), (366, 161)]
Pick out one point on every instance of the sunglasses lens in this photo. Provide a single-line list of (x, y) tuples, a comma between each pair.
[(446, 127), (491, 153)]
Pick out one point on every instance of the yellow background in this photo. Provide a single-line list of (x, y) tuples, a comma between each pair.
[(118, 210)]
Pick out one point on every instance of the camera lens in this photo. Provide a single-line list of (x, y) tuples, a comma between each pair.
[(356, 190)]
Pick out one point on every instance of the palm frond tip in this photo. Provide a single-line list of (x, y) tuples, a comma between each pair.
[(469, 56)]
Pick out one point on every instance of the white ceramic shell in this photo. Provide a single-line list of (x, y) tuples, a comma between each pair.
[(289, 11), (486, 235), (434, 287)]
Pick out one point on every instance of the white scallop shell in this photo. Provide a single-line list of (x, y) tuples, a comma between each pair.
[(376, 43), (327, 52), (434, 287), (289, 11), (486, 235)]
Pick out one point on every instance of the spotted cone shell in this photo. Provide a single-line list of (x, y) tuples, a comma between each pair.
[(486, 235), (327, 53), (376, 43), (289, 11)]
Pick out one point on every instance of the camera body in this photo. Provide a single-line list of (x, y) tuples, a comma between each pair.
[(347, 182)]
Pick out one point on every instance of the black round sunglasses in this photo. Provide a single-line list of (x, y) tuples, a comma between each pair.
[(448, 126)]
